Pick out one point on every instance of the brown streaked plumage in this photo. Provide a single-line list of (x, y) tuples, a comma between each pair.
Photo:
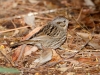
[(52, 35)]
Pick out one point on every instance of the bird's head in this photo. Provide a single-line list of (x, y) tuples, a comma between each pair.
[(61, 22)]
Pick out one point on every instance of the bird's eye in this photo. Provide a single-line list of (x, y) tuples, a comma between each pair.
[(58, 22), (64, 21)]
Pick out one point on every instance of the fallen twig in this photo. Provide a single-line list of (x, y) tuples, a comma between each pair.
[(13, 29), (33, 13)]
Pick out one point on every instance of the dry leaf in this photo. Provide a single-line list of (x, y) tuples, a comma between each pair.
[(63, 69), (71, 73), (18, 50), (30, 20), (95, 42), (45, 56), (29, 51), (90, 4), (33, 1), (55, 56), (87, 60)]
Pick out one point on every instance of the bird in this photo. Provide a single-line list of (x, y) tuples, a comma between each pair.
[(52, 35)]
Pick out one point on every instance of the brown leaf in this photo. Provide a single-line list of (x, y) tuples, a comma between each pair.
[(17, 52), (95, 42), (55, 56)]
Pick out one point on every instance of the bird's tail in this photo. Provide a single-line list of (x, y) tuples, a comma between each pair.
[(12, 45)]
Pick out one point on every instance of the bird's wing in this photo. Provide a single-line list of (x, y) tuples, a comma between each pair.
[(48, 30), (42, 37)]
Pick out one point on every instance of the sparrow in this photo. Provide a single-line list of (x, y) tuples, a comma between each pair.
[(52, 35)]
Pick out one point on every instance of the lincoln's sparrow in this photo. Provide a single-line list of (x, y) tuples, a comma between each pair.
[(52, 35)]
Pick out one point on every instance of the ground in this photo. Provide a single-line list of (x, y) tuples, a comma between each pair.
[(80, 53)]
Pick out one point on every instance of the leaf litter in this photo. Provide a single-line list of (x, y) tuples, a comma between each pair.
[(80, 53)]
